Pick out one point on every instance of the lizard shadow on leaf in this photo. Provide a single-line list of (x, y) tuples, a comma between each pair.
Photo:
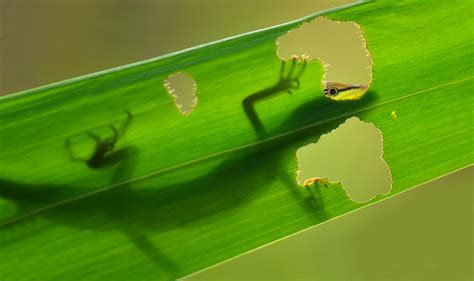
[(138, 213)]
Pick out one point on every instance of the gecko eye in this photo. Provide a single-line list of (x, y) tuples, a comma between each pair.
[(333, 91)]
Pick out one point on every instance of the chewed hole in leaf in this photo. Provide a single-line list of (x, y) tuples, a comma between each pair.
[(182, 88), (351, 154), (342, 50)]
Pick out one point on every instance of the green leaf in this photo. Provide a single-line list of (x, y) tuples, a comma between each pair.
[(187, 192)]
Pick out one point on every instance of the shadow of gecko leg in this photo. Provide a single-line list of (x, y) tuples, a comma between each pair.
[(286, 83), (309, 204), (102, 155), (136, 232), (126, 158)]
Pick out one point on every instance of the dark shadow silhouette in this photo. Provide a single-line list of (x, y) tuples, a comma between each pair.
[(103, 155), (287, 83), (136, 212)]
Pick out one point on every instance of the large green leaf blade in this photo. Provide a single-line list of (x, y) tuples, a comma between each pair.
[(192, 191)]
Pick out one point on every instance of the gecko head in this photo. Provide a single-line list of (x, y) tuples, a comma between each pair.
[(341, 91)]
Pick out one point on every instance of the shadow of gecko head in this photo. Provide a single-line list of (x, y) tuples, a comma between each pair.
[(316, 117)]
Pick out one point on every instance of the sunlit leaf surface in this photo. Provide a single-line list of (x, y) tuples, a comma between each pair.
[(184, 192)]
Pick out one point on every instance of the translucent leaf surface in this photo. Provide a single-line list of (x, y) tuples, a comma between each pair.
[(189, 191)]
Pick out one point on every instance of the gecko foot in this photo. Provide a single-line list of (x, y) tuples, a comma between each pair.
[(311, 181)]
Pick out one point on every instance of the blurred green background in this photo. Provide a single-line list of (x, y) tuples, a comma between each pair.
[(423, 234)]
